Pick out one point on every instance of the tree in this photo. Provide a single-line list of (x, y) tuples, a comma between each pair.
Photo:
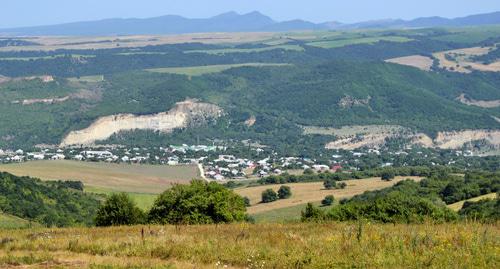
[(119, 209), (329, 184), (284, 192), (329, 199), (388, 175), (269, 196), (198, 203)]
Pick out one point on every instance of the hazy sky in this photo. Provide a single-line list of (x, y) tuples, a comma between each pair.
[(14, 13)]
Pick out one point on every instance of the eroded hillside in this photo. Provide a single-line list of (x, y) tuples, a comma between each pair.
[(182, 115)]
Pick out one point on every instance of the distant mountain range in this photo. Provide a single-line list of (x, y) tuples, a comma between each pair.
[(233, 22)]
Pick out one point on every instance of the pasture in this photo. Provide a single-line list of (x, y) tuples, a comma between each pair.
[(207, 69), (131, 178), (12, 222), (418, 61), (458, 205), (303, 245), (235, 50), (303, 193), (330, 44)]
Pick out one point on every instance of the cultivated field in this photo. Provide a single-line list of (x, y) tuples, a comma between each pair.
[(49, 43), (331, 245), (365, 40), (312, 192), (418, 61), (109, 177), (207, 69), (458, 205), (226, 51)]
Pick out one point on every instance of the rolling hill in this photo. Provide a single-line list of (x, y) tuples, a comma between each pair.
[(232, 22)]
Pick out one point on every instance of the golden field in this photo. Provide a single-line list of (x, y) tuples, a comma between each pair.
[(330, 245)]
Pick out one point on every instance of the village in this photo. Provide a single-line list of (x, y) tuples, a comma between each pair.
[(222, 163)]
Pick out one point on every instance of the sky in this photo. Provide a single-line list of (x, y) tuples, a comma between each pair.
[(16, 13)]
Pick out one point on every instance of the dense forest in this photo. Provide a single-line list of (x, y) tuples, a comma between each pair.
[(49, 203)]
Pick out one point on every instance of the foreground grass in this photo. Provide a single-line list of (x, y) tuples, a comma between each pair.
[(333, 245)]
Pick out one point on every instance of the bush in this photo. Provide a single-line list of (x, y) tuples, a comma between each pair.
[(329, 184), (312, 213), (269, 196), (247, 201), (388, 175), (119, 209), (198, 203), (341, 185), (284, 192), (329, 200)]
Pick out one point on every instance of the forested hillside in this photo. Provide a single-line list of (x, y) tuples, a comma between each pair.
[(48, 203)]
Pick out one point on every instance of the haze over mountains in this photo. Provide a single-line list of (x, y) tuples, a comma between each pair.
[(234, 22)]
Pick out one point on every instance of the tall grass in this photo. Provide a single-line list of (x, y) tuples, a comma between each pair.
[(331, 245)]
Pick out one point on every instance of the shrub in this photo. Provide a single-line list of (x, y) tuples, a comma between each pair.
[(198, 203), (388, 175), (329, 199), (284, 192), (247, 201), (119, 209), (341, 185), (269, 196), (329, 184), (312, 213)]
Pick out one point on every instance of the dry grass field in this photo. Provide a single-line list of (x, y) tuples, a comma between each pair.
[(418, 61), (111, 177), (330, 245), (303, 193), (462, 60), (458, 205)]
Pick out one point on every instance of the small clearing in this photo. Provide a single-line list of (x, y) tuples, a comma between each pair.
[(208, 69), (111, 177), (418, 61), (480, 103), (458, 205), (313, 192)]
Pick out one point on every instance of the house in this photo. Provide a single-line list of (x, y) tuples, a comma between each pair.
[(320, 167), (58, 157)]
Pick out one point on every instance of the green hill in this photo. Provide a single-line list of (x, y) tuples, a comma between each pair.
[(48, 203)]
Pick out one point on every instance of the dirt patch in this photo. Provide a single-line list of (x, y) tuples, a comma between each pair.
[(251, 121), (456, 140), (418, 61), (348, 102), (313, 192), (471, 102), (182, 115)]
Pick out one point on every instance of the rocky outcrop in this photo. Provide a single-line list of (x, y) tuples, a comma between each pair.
[(456, 140), (183, 114), (480, 103)]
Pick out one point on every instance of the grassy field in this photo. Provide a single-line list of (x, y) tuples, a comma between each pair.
[(207, 69), (331, 245), (12, 222), (151, 179), (225, 51), (303, 193), (366, 40), (458, 205), (88, 79)]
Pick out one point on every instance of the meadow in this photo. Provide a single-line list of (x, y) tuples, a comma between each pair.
[(364, 40), (235, 50), (303, 193), (458, 205), (306, 245), (149, 179), (206, 69)]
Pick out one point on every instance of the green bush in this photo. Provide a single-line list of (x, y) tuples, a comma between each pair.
[(198, 203), (269, 196), (119, 209), (284, 192), (328, 201)]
